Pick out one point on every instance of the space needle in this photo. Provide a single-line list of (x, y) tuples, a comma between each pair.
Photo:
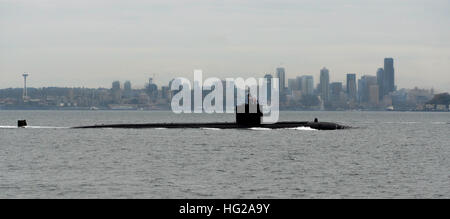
[(25, 93)]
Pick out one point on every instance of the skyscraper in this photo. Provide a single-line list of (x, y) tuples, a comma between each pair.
[(335, 91), (298, 82), (127, 86), (116, 92), (325, 84), (351, 86), (25, 93), (152, 90), (373, 94), (381, 82), (127, 89), (307, 85), (269, 77), (389, 75), (292, 86), (281, 74), (365, 83), (116, 85)]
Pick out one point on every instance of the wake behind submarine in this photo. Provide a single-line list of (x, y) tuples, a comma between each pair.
[(244, 120)]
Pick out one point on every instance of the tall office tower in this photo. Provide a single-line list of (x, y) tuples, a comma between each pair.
[(281, 74), (269, 86), (364, 87), (373, 94), (152, 90), (127, 89), (298, 82), (381, 82), (25, 93), (325, 84), (389, 75), (360, 89), (116, 85), (127, 86), (116, 92), (292, 86), (307, 85), (351, 86), (335, 91)]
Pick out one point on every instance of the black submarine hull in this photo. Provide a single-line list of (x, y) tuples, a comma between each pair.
[(279, 125)]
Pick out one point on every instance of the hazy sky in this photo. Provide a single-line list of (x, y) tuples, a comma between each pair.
[(93, 42)]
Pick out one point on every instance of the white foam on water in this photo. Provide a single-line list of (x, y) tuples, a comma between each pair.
[(214, 129), (44, 127), (160, 128), (401, 122), (32, 127), (8, 127), (260, 129), (303, 129)]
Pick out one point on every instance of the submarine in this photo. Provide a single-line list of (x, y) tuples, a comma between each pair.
[(279, 125), (244, 120)]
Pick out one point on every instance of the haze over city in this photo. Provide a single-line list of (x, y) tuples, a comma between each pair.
[(92, 43)]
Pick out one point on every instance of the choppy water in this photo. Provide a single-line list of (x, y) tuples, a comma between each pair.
[(390, 155)]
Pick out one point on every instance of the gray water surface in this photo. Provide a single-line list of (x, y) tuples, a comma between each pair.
[(389, 155)]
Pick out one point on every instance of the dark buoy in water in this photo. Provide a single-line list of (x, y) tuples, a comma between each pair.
[(22, 123)]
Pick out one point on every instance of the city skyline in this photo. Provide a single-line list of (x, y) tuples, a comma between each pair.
[(369, 92), (90, 43), (141, 83), (279, 72)]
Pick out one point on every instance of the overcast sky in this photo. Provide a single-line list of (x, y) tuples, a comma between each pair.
[(91, 43)]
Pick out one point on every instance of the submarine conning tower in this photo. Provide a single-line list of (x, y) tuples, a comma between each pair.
[(22, 123), (249, 114)]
